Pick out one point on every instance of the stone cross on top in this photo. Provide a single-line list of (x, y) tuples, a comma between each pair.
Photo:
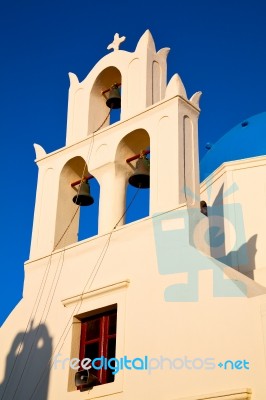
[(116, 43)]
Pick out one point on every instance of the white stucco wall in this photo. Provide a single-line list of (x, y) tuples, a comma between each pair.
[(174, 301)]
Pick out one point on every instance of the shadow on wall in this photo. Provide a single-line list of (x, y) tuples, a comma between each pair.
[(226, 222), (249, 248), (27, 366)]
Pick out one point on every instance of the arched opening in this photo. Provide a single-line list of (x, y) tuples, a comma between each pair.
[(140, 208), (100, 114), (73, 223), (137, 199), (88, 220)]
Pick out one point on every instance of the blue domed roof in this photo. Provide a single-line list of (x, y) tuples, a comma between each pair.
[(247, 139)]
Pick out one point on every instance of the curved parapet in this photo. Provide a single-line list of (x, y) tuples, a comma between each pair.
[(175, 88), (163, 52), (39, 151), (195, 99), (73, 79), (146, 42)]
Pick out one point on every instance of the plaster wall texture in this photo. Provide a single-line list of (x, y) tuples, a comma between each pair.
[(220, 328), (239, 186), (158, 270)]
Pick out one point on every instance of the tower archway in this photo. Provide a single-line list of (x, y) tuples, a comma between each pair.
[(69, 214), (132, 145), (98, 110)]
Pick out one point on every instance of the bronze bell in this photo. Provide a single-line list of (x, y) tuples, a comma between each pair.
[(141, 177), (114, 100), (83, 197)]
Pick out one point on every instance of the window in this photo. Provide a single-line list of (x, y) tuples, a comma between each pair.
[(98, 339)]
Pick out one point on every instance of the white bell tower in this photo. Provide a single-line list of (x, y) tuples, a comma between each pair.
[(153, 115), (135, 292)]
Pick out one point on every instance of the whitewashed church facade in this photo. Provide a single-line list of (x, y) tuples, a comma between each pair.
[(177, 299)]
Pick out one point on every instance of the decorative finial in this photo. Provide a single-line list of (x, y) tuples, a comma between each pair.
[(116, 43)]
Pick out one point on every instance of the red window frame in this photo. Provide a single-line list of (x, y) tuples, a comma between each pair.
[(98, 339)]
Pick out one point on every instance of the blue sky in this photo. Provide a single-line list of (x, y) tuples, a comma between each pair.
[(217, 47)]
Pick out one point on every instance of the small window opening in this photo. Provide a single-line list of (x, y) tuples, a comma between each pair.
[(98, 343)]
